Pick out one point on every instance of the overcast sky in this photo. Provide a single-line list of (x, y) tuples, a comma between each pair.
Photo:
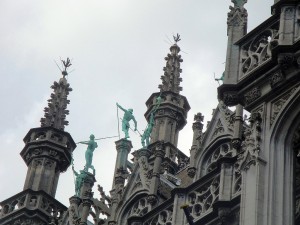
[(118, 50)]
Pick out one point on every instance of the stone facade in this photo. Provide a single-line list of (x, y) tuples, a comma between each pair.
[(240, 170)]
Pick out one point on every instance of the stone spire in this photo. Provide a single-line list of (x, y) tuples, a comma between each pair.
[(171, 112), (236, 29), (171, 78), (47, 152), (55, 113)]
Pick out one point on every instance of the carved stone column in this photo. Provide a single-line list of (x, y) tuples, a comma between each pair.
[(197, 138), (87, 185), (287, 24), (252, 168), (238, 129), (123, 147), (237, 28), (73, 209), (86, 205), (142, 158), (159, 155), (179, 202)]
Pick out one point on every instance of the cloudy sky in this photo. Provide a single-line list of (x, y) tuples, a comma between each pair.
[(117, 49)]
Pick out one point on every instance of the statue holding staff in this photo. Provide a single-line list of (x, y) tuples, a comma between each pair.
[(78, 181), (147, 132), (128, 116), (92, 145)]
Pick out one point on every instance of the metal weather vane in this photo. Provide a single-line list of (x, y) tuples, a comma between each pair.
[(67, 63), (176, 38)]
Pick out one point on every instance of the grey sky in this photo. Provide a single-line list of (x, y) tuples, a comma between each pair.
[(118, 50)]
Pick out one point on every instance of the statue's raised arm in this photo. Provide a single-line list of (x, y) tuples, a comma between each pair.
[(128, 115), (120, 107), (92, 145)]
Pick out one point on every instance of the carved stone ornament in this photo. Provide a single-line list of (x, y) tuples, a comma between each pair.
[(192, 172), (289, 13), (251, 144), (230, 98), (236, 143), (258, 50), (276, 78), (285, 60), (152, 199), (238, 15), (278, 105), (219, 129), (252, 95), (224, 215)]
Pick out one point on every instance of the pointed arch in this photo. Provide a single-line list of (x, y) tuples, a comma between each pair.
[(279, 152)]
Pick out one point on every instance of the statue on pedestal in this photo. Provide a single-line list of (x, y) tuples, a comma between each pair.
[(79, 180), (92, 145), (147, 132), (128, 115)]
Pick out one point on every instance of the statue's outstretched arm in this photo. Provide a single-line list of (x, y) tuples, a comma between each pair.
[(121, 107), (84, 142)]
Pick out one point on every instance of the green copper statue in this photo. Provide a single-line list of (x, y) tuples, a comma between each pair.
[(92, 145), (239, 3), (78, 181), (157, 104), (147, 132), (126, 119)]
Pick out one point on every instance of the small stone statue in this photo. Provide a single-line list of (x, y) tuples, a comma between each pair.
[(78, 181), (147, 132), (92, 145), (128, 115)]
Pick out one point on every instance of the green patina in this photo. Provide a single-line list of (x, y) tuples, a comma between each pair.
[(239, 3), (147, 133), (128, 116), (92, 145), (80, 177)]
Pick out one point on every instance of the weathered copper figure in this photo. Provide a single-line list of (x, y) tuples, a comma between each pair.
[(128, 115), (92, 145)]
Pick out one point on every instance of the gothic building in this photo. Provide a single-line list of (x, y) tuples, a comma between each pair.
[(240, 171)]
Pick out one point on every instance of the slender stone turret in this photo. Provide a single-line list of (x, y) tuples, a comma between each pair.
[(123, 147), (236, 29), (197, 138), (47, 153), (48, 149), (159, 155), (170, 116)]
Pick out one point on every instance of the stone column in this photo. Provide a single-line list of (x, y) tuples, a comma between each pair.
[(287, 24), (253, 170), (238, 129), (73, 209), (142, 158), (159, 155), (179, 202), (123, 147), (87, 185), (86, 205), (197, 136), (237, 28)]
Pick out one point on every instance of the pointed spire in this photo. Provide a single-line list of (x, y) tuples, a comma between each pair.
[(171, 78), (55, 113)]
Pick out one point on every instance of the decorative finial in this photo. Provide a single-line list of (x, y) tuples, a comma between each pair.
[(67, 63), (176, 38)]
